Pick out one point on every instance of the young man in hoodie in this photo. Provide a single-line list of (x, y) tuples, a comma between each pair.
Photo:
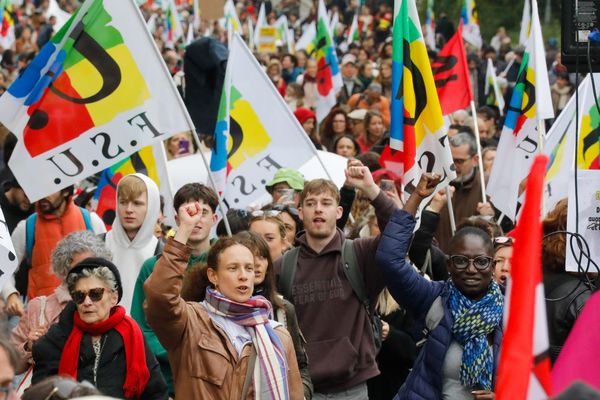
[(336, 325), (132, 240)]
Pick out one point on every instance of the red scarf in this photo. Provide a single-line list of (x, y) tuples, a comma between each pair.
[(135, 353)]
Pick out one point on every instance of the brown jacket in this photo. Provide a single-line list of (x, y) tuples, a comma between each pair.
[(204, 362)]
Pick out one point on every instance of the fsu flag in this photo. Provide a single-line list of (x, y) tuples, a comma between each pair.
[(96, 93), (524, 370), (451, 75)]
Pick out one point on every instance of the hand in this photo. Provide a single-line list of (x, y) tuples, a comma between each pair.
[(483, 395), (485, 209), (385, 330), (440, 199), (14, 305), (393, 194), (427, 185), (34, 335), (188, 216), (359, 176)]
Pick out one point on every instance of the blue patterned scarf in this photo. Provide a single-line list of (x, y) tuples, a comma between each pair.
[(474, 320)]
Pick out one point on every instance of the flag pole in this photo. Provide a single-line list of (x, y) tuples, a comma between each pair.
[(450, 210), (190, 124), (480, 161)]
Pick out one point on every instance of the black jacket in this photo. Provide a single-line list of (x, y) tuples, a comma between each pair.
[(112, 368), (565, 297)]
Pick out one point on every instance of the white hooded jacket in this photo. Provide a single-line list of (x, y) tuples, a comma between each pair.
[(129, 255)]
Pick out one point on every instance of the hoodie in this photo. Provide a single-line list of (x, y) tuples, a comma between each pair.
[(129, 255)]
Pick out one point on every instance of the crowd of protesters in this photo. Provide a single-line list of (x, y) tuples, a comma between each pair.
[(146, 311)]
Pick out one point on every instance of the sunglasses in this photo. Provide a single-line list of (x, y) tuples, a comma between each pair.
[(265, 213), (66, 388), (95, 295), (285, 208), (503, 240), (480, 262)]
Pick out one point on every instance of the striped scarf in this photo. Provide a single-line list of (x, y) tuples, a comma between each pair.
[(271, 368), (473, 322)]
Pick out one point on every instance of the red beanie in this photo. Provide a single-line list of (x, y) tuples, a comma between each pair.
[(304, 114)]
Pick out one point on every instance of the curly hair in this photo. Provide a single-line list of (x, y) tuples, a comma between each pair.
[(554, 245), (76, 243)]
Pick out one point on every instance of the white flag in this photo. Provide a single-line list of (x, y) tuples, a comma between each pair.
[(525, 23), (492, 91), (78, 112), (262, 132)]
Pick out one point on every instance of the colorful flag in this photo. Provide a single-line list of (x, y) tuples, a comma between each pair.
[(7, 252), (530, 104), (430, 26), (173, 28), (471, 32), (524, 369), (493, 95), (578, 359), (308, 39), (329, 78), (97, 92), (353, 33), (451, 75), (417, 124), (525, 23), (260, 135), (145, 161), (283, 33), (334, 24), (7, 25), (232, 21), (589, 131)]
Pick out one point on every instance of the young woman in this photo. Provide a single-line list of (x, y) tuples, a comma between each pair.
[(374, 133), (283, 311), (459, 358), (271, 228), (225, 347), (334, 126)]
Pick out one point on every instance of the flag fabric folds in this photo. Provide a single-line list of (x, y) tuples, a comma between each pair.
[(260, 22), (524, 369), (519, 140), (470, 19), (232, 21), (7, 25), (97, 92), (7, 252), (493, 94), (451, 75), (173, 28), (353, 33), (417, 124), (525, 23), (256, 133), (329, 78)]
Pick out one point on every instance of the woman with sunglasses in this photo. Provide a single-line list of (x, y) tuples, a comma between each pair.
[(458, 359), (94, 340)]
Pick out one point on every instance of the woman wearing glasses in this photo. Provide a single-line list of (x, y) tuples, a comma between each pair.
[(458, 359), (94, 340)]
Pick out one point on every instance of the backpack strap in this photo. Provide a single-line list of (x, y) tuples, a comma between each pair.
[(353, 273), (432, 319), (289, 261), (159, 248), (30, 236), (87, 219)]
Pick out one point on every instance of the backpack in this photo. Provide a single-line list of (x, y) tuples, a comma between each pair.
[(22, 274), (353, 273), (432, 319)]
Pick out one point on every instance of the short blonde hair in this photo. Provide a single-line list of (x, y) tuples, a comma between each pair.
[(130, 188)]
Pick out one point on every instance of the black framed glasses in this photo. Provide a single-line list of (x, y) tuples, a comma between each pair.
[(67, 388), (480, 262), (95, 295)]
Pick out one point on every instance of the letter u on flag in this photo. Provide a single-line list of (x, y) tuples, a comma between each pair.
[(96, 93), (416, 127)]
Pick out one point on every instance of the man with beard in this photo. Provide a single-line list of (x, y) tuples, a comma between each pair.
[(34, 239), (336, 325), (466, 200)]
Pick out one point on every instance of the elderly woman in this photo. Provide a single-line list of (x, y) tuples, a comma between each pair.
[(225, 347), (94, 340), (463, 315), (43, 311)]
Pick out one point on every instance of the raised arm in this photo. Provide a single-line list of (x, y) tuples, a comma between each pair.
[(166, 312)]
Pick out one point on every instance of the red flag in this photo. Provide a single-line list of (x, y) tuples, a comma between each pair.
[(524, 371), (451, 75)]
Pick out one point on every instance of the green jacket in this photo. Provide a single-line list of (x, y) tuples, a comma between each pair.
[(137, 313)]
